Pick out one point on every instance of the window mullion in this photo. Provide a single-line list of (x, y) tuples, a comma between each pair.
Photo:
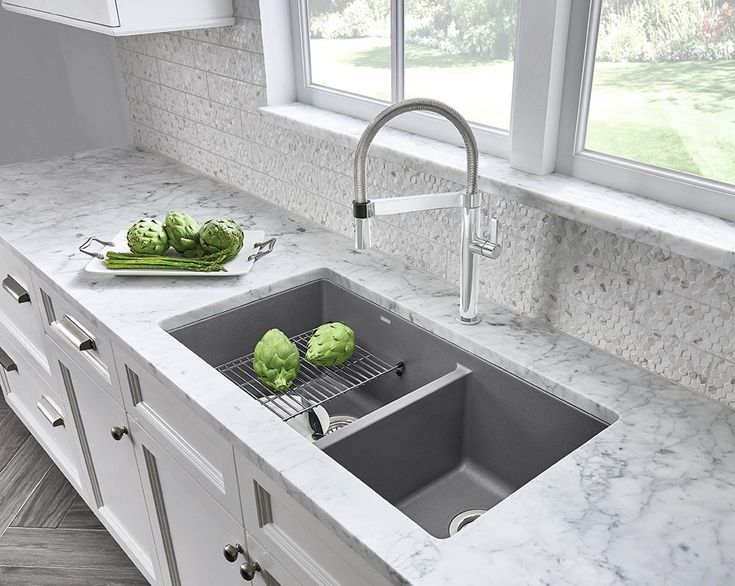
[(537, 83), (397, 50)]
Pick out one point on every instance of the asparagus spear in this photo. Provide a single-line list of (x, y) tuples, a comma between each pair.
[(127, 260)]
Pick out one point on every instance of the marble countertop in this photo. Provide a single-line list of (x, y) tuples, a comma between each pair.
[(650, 500)]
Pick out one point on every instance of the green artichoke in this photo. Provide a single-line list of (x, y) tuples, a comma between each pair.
[(221, 236), (276, 361), (148, 236), (331, 345), (183, 234)]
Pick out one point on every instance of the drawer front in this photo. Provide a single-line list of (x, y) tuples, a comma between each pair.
[(19, 311), (81, 338), (38, 405), (108, 453), (309, 553), (196, 446), (102, 12)]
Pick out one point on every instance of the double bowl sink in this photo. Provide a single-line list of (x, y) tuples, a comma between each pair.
[(443, 438)]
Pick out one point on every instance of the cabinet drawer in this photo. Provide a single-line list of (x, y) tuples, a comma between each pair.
[(18, 309), (81, 337), (38, 405), (195, 445), (308, 551), (103, 12)]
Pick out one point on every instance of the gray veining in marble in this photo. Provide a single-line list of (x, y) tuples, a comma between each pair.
[(648, 501)]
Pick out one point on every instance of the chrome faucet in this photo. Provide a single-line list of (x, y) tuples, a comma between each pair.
[(469, 201)]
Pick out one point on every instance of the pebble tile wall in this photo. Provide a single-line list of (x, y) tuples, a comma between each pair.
[(194, 96)]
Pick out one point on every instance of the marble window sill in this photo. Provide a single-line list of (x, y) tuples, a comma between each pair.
[(679, 230)]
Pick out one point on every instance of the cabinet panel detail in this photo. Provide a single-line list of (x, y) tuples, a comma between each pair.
[(79, 424), (160, 507)]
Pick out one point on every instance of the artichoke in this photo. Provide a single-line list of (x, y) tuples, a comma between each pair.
[(221, 236), (276, 361), (183, 234), (331, 345), (148, 236)]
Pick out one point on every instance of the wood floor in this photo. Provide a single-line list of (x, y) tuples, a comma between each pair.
[(48, 535)]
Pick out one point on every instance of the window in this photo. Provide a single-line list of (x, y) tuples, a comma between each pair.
[(359, 55), (663, 91), (638, 95), (657, 108)]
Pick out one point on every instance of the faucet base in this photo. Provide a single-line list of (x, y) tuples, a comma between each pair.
[(469, 321)]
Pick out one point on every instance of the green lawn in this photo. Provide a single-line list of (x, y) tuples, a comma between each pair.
[(675, 115)]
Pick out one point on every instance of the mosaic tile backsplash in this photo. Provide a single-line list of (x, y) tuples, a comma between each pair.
[(194, 96)]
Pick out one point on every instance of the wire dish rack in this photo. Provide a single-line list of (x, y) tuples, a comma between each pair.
[(315, 385)]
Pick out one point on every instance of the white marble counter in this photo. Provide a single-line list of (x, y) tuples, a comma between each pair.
[(651, 500)]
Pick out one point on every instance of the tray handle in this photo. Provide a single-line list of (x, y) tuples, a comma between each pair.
[(263, 248), (88, 242)]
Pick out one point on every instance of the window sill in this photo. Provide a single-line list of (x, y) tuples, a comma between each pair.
[(685, 232)]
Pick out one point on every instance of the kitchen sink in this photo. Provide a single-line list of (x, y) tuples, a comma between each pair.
[(438, 432)]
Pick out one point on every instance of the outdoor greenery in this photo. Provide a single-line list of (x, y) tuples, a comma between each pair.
[(664, 81), (666, 30)]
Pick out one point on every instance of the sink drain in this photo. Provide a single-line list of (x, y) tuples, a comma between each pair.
[(463, 519), (338, 422)]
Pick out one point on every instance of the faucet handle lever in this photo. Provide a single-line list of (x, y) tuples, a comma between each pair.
[(488, 248), (494, 230)]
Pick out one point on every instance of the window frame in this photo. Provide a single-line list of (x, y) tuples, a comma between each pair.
[(493, 141), (669, 186), (553, 73)]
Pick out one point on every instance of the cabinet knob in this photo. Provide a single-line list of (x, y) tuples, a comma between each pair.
[(232, 552), (248, 570), (118, 432)]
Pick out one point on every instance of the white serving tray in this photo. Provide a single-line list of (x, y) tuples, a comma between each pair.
[(254, 247)]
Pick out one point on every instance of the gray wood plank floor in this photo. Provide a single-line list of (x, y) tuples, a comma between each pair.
[(48, 535)]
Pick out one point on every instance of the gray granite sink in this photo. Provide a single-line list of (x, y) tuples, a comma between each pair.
[(443, 438)]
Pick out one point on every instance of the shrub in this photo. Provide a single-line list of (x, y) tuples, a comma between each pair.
[(359, 18), (666, 30)]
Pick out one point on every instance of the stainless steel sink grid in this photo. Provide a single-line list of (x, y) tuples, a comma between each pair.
[(314, 385), (450, 438)]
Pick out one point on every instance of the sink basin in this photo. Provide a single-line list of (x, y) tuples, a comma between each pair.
[(443, 438), (225, 337)]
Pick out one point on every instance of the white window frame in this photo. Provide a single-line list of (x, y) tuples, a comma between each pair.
[(674, 187), (552, 81), (490, 140)]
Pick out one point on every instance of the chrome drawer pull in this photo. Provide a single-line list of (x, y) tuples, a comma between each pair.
[(7, 362), (16, 290), (50, 412), (74, 333)]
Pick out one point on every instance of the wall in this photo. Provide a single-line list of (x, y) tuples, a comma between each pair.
[(195, 96), (60, 90)]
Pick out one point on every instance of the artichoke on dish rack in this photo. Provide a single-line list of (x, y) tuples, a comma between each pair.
[(276, 361), (331, 344)]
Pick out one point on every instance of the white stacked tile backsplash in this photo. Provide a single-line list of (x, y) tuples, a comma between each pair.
[(195, 95)]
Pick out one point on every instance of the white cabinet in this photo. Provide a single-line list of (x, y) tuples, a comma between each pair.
[(129, 17), (193, 528), (108, 451), (290, 544)]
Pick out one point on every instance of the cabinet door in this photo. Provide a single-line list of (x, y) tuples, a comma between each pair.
[(102, 12), (109, 456), (193, 528)]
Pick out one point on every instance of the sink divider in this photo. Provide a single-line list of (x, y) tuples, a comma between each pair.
[(399, 404)]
